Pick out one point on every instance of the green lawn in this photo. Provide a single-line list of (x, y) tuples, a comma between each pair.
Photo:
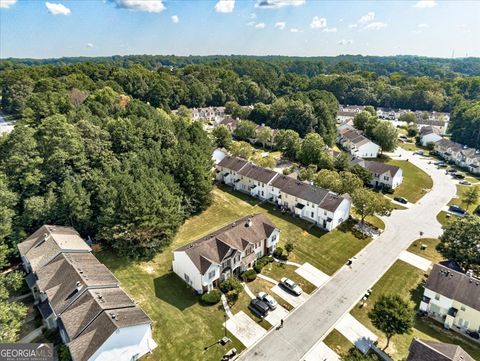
[(444, 218), (406, 281), (277, 271), (337, 342), (458, 200), (415, 181), (430, 252)]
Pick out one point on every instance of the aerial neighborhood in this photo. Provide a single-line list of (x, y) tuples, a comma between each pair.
[(238, 205)]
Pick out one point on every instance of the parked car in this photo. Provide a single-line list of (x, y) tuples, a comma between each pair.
[(401, 200), (439, 163), (457, 209), (465, 183), (419, 152), (473, 334), (259, 308), (451, 170), (291, 286), (458, 176), (269, 300)]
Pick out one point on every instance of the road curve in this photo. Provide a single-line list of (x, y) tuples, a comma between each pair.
[(312, 321)]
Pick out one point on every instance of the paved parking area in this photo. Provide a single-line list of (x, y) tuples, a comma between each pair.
[(295, 301), (245, 329), (321, 352), (356, 333), (312, 274), (274, 317), (416, 261)]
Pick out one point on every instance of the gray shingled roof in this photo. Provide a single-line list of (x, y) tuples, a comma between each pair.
[(258, 173), (455, 285), (423, 350), (356, 138), (296, 188), (236, 236), (95, 335), (48, 241), (233, 163), (381, 168)]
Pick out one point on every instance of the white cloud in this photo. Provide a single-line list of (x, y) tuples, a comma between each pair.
[(345, 42), (329, 30), (423, 26), (425, 4), (151, 6), (5, 4), (280, 25), (377, 25), (272, 4), (370, 16), (295, 30), (318, 23), (57, 9), (89, 45), (224, 6), (251, 23), (260, 26), (351, 26), (253, 16), (175, 19)]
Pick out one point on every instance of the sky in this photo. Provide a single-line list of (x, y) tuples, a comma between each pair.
[(59, 28)]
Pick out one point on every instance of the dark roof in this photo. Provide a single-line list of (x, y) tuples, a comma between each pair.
[(69, 274), (422, 350), (331, 202), (95, 335), (236, 236), (48, 241), (31, 279), (257, 173), (233, 163), (356, 137), (455, 285), (89, 305), (44, 308), (381, 168), (307, 192), (447, 143)]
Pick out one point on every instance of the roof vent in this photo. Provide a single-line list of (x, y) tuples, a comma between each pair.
[(249, 222), (113, 315)]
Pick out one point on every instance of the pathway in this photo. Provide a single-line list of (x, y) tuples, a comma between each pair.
[(226, 307), (311, 322), (356, 333), (246, 330), (416, 261), (312, 274), (32, 336), (266, 278)]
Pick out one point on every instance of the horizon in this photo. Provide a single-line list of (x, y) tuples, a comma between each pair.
[(302, 28)]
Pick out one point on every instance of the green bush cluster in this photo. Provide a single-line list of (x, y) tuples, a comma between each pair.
[(262, 262), (231, 284), (211, 298), (278, 254), (249, 275)]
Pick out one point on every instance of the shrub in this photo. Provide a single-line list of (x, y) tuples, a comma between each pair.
[(249, 275), (289, 247), (232, 296), (278, 252), (64, 353), (211, 298), (230, 284), (258, 266)]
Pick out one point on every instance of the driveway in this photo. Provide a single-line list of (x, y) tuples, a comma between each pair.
[(321, 352), (416, 261), (313, 320), (312, 274), (356, 333), (295, 301), (245, 329), (274, 317)]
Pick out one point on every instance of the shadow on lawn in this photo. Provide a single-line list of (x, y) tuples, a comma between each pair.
[(173, 290)]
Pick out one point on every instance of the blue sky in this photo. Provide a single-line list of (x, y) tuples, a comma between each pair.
[(39, 29)]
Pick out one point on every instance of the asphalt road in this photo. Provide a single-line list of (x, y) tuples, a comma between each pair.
[(313, 320)]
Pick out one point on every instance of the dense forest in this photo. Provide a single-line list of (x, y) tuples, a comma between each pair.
[(97, 147)]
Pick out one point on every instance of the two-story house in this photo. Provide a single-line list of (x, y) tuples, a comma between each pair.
[(255, 180), (429, 134), (203, 264), (383, 175), (448, 150), (77, 294), (453, 298), (228, 170), (357, 144)]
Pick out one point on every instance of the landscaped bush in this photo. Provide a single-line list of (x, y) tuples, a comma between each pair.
[(232, 296), (230, 284), (262, 262), (211, 298), (278, 254), (249, 275), (258, 266)]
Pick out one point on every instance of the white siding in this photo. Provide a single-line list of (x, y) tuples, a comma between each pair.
[(183, 265), (430, 138), (368, 150)]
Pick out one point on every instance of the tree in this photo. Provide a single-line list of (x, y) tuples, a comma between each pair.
[(245, 130), (392, 315), (361, 119), (412, 131), (308, 173), (368, 203), (289, 247), (264, 135), (328, 179), (356, 355), (288, 141), (371, 110), (241, 149), (312, 149), (470, 196), (408, 117), (222, 137), (460, 241), (364, 174), (266, 162), (386, 136), (342, 161)]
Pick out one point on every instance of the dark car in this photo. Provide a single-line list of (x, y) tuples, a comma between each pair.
[(259, 308), (401, 200), (473, 334), (457, 209), (458, 176), (451, 170)]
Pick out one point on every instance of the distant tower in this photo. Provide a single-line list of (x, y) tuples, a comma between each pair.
[(453, 53)]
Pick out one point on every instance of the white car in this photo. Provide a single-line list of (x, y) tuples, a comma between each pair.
[(269, 300), (291, 286)]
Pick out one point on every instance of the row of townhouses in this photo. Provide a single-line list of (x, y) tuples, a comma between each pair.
[(355, 142), (80, 297), (383, 175), (320, 206), (453, 297), (228, 251), (463, 156)]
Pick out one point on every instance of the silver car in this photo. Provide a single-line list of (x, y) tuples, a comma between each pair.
[(291, 286), (269, 300)]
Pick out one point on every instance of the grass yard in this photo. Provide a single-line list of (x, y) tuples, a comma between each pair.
[(406, 281), (444, 218), (430, 253), (415, 181), (338, 343), (458, 200), (277, 270)]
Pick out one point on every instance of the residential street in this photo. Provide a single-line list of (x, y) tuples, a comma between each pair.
[(311, 322)]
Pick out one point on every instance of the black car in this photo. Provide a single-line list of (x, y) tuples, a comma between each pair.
[(457, 209), (458, 176), (473, 334), (259, 308), (400, 200)]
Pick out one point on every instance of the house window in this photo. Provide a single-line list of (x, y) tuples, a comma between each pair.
[(211, 274), (312, 215), (274, 237), (463, 308), (437, 297)]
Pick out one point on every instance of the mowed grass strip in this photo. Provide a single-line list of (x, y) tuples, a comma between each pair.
[(430, 252), (338, 343)]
